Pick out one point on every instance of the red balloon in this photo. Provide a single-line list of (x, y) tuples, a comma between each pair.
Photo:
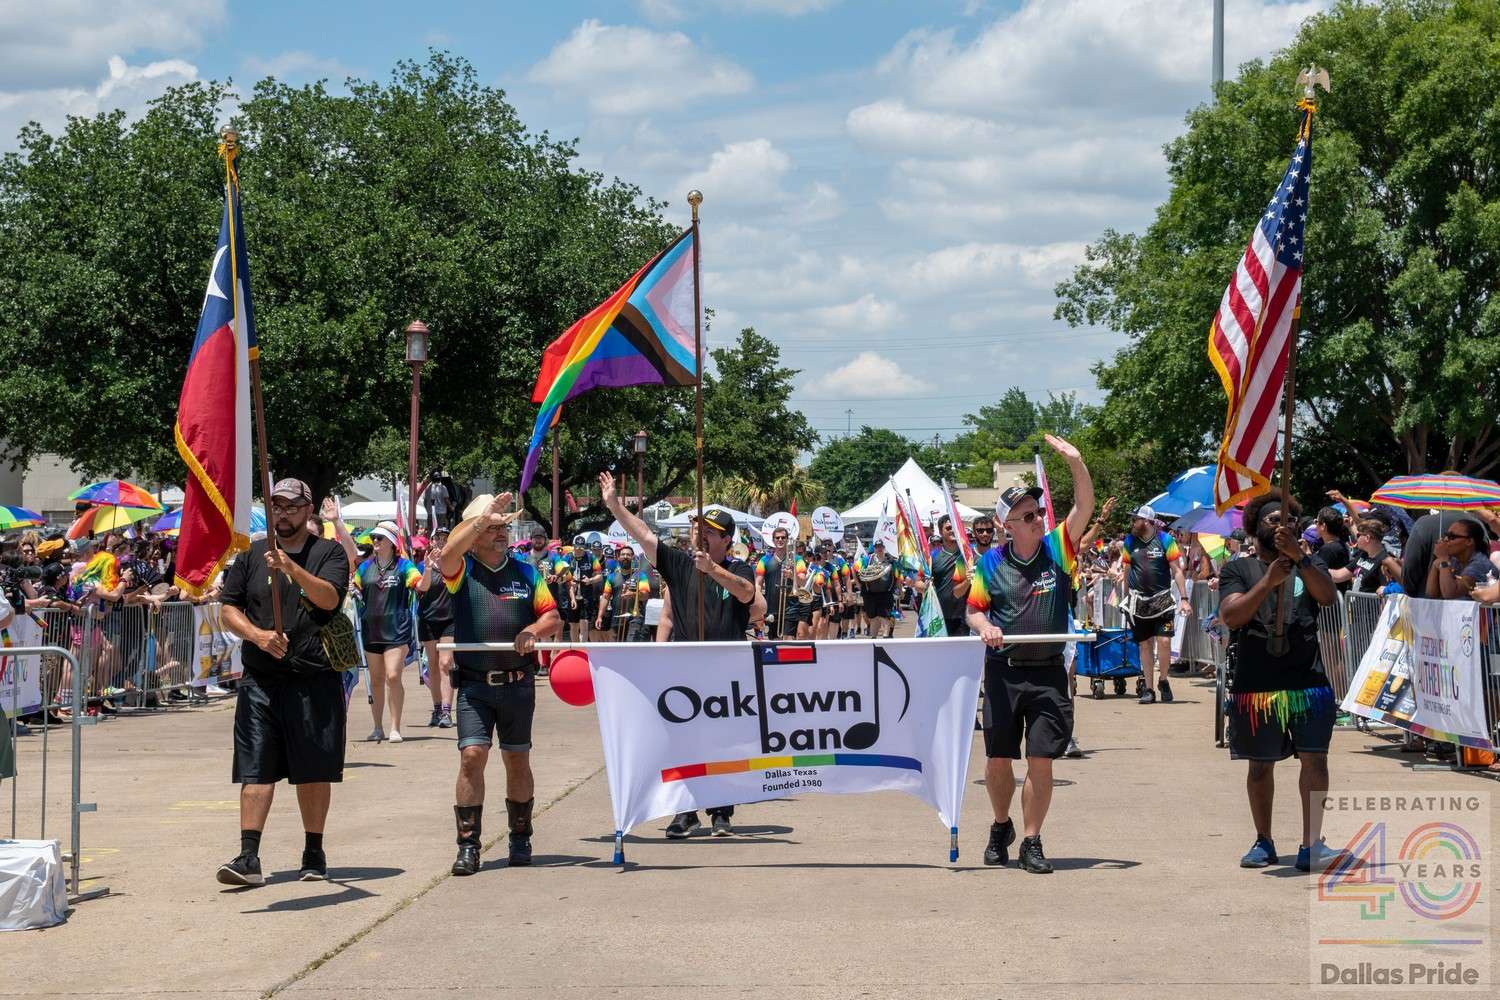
[(571, 680)]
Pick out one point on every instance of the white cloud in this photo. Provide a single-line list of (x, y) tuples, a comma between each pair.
[(747, 172), (995, 265), (892, 125), (866, 314), (676, 10), (123, 86), (622, 70), (868, 375), (60, 44), (297, 66)]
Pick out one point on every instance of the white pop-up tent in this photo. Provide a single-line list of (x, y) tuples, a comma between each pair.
[(926, 494), (750, 522), (374, 511)]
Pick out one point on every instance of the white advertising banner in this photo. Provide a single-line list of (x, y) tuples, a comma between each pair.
[(1422, 671), (695, 725), (216, 650), (20, 676)]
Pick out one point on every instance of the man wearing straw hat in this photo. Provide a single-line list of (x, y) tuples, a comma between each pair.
[(1026, 587), (495, 599)]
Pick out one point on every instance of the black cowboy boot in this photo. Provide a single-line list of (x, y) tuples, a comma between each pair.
[(468, 820), (519, 814)]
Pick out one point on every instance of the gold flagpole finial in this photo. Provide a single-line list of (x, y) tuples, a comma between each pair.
[(1312, 78), (695, 198), (229, 144)]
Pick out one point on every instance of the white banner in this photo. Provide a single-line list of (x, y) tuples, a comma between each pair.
[(20, 676), (695, 725), (216, 650), (1422, 673), (827, 524)]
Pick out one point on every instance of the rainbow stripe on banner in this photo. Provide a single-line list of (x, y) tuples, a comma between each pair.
[(710, 768)]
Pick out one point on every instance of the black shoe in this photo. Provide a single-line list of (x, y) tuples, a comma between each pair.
[(1002, 835), (1166, 691), (682, 825), (722, 826), (243, 870), (314, 867), (467, 862), (1032, 859), (520, 851), (1140, 686)]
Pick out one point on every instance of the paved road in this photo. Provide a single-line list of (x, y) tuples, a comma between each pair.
[(821, 896)]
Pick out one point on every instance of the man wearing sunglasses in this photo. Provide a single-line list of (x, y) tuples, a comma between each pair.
[(1026, 587), (984, 535), (1460, 562)]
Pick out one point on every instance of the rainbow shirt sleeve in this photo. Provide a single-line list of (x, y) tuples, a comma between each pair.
[(643, 584), (979, 590), (609, 584), (454, 582), (541, 595), (1062, 549), (408, 572), (760, 567), (1125, 550), (1169, 547)]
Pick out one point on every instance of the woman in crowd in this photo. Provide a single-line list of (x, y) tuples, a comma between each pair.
[(385, 581)]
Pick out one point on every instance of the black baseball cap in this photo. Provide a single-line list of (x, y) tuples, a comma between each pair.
[(717, 518), (1013, 496)]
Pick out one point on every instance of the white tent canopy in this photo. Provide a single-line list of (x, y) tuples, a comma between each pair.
[(926, 494), (750, 522), (374, 511)]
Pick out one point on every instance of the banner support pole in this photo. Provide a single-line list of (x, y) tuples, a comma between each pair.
[(620, 847), (952, 844), (695, 198)]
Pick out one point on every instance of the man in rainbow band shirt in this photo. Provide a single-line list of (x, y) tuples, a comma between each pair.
[(627, 588), (1026, 587), (1280, 702), (496, 598)]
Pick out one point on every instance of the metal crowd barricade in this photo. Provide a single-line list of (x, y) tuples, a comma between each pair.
[(1489, 662), (1202, 640)]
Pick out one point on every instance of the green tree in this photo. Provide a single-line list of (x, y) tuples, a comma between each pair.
[(421, 197), (1400, 330), (851, 468)]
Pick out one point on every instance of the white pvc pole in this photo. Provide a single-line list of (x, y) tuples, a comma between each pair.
[(557, 647)]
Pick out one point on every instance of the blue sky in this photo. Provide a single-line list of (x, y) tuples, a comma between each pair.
[(891, 189)]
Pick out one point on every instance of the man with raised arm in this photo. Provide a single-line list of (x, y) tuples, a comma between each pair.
[(1025, 587)]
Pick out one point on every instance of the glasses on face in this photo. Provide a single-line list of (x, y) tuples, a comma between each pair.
[(984, 531), (1025, 518), (1458, 538), (285, 509)]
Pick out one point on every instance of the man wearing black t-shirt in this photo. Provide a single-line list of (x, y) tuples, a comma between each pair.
[(730, 600), (950, 578), (289, 713), (1281, 702)]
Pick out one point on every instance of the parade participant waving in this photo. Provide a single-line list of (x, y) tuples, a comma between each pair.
[(729, 598), (1153, 561), (1026, 587), (289, 714), (1280, 702), (385, 581), (495, 599)]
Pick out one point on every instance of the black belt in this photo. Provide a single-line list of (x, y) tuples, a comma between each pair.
[(1004, 660), (494, 678)]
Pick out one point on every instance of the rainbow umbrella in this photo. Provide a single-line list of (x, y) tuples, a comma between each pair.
[(97, 520), (19, 517), (115, 493), (1438, 492)]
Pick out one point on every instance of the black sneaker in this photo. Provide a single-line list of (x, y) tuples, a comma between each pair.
[(722, 826), (1140, 686), (520, 851), (467, 862), (314, 867), (1148, 697), (1002, 835), (1031, 857), (437, 718), (243, 870), (682, 825), (1166, 691)]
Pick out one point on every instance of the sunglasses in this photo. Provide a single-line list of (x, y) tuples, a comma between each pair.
[(1458, 538), (984, 531), (1025, 518)]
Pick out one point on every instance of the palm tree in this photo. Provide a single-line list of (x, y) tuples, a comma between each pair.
[(796, 486)]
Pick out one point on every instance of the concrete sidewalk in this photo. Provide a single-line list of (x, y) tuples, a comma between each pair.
[(821, 896)]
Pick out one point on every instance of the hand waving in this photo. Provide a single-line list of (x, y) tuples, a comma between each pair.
[(1062, 447)]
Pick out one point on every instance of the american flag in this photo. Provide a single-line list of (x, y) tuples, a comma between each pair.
[(1251, 336)]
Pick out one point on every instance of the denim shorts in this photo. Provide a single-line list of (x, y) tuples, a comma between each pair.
[(504, 711)]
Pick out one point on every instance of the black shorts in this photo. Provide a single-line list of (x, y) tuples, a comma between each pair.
[(380, 647), (290, 728), (878, 605), (1030, 698), (1257, 730), (1143, 629), (506, 710), (435, 630)]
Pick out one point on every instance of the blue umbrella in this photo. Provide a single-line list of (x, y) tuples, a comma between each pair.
[(1188, 491)]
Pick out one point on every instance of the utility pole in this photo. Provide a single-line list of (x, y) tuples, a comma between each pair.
[(1218, 67), (848, 423)]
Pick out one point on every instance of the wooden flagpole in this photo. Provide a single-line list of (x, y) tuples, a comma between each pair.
[(556, 484), (695, 198), (229, 149)]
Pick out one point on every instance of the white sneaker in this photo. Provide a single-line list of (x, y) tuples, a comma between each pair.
[(215, 691), (375, 736), (395, 736)]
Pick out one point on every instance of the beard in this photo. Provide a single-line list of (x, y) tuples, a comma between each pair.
[(286, 530), (1265, 538)]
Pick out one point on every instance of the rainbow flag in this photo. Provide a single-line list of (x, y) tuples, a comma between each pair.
[(964, 544), (640, 335)]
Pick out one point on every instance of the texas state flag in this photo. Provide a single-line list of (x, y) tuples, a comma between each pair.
[(213, 412)]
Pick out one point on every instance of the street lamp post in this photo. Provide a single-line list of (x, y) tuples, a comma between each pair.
[(638, 443), (416, 355)]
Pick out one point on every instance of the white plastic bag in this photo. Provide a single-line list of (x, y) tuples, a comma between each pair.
[(33, 892)]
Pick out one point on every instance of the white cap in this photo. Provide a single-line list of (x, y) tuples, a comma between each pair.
[(1146, 512)]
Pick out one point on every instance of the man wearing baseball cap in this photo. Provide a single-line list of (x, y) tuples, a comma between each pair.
[(289, 716), (730, 600), (1154, 561), (1026, 587)]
